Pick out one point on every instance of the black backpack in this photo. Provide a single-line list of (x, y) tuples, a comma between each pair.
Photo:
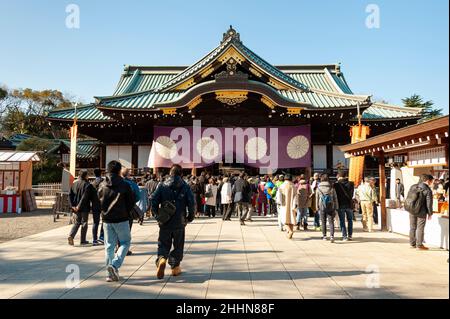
[(415, 200)]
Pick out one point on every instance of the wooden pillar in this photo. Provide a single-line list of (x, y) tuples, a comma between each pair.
[(382, 174), (134, 156)]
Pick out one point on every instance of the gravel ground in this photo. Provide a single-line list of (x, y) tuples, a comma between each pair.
[(13, 226)]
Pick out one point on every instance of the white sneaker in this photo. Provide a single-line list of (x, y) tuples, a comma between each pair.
[(113, 273)]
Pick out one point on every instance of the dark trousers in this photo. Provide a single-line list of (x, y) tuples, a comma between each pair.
[(226, 210), (167, 238), (330, 217), (375, 214), (317, 219), (95, 225), (417, 229), (210, 211), (80, 219), (346, 213)]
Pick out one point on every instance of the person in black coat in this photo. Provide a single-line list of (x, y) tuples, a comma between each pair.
[(116, 201), (172, 232), (82, 195), (344, 191), (96, 209)]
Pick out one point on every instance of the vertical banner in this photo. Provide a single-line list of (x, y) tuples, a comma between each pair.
[(73, 149), (358, 133)]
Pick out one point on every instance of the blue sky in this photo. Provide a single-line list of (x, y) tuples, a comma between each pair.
[(407, 54)]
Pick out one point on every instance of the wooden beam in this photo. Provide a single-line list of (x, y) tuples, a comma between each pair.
[(382, 174)]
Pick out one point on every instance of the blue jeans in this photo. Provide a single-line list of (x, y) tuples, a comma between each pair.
[(116, 232), (343, 213), (302, 214)]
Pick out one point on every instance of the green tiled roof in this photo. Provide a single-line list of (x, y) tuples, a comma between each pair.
[(84, 113), (380, 111), (86, 149)]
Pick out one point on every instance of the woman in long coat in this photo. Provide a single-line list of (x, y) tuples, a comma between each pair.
[(288, 207)]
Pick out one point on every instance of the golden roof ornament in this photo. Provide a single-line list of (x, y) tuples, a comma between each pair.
[(231, 33)]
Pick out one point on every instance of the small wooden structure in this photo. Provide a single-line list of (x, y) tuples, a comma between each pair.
[(16, 175), (423, 147)]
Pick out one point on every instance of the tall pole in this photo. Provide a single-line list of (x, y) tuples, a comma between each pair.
[(73, 144), (382, 173)]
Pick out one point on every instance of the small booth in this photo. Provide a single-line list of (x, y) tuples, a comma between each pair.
[(16, 175), (410, 152)]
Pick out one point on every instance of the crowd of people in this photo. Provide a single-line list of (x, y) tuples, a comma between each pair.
[(175, 200)]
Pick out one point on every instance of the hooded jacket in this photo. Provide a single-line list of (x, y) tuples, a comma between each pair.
[(175, 189), (326, 189), (116, 199)]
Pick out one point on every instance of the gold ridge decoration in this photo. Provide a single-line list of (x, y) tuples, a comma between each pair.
[(255, 72), (268, 102), (185, 85), (207, 72), (294, 110), (170, 111), (231, 53), (231, 97), (194, 103)]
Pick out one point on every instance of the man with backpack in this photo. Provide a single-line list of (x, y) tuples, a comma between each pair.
[(344, 191), (174, 205), (327, 204), (116, 201), (419, 204)]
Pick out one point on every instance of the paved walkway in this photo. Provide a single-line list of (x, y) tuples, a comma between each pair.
[(225, 260)]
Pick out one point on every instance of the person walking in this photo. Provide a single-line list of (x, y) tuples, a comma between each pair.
[(151, 185), (366, 196), (82, 195), (304, 202), (268, 188), (399, 192), (226, 199), (116, 202), (376, 192), (327, 204), (419, 205), (240, 192), (211, 198), (262, 198), (177, 193), (314, 185), (278, 184), (288, 207), (344, 191), (96, 211)]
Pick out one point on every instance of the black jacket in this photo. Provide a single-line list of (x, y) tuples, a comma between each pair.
[(82, 194), (427, 205), (116, 199), (175, 189), (344, 191)]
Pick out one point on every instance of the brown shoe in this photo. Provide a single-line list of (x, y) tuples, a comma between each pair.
[(161, 268), (70, 240), (422, 248), (176, 271)]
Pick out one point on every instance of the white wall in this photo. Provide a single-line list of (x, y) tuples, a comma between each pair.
[(121, 153), (320, 156), (143, 154)]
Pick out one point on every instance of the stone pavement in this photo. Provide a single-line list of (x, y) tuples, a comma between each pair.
[(225, 260)]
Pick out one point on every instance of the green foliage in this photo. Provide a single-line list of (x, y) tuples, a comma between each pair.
[(428, 109), (24, 111), (47, 170)]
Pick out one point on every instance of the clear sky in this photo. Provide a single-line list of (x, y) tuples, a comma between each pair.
[(407, 54)]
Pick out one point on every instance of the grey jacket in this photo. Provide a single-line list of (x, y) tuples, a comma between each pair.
[(326, 188), (427, 207)]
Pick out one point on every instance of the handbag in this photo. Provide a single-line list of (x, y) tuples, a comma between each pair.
[(166, 211)]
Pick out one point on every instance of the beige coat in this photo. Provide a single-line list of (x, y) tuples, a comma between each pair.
[(288, 201)]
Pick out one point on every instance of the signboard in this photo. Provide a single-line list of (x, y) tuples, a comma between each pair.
[(263, 147), (435, 156)]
